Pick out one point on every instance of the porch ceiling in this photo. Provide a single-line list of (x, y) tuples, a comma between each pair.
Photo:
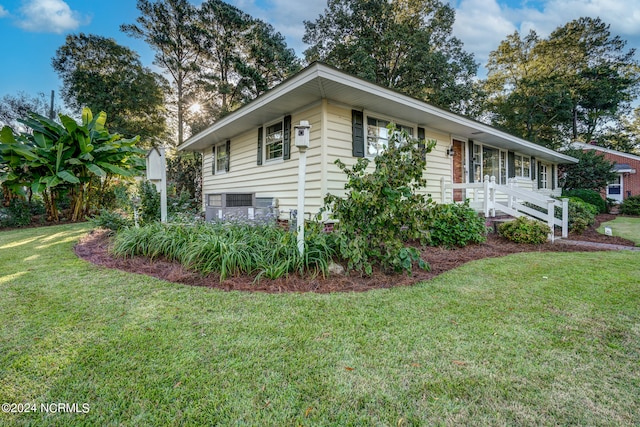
[(319, 81)]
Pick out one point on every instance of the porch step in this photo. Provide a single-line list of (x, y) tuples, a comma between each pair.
[(495, 222)]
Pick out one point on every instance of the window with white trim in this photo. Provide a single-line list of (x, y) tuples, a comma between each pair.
[(273, 143), (522, 166), (378, 135), (220, 158), (489, 161)]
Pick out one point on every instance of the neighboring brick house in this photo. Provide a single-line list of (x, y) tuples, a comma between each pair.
[(626, 165)]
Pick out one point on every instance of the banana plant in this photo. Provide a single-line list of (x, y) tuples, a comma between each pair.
[(66, 157)]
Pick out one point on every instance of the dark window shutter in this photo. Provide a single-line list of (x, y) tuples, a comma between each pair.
[(286, 138), (552, 177), (226, 166), (511, 162), (534, 169), (213, 160), (357, 126), (259, 162), (471, 167)]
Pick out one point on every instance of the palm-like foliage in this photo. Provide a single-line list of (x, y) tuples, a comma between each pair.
[(54, 158)]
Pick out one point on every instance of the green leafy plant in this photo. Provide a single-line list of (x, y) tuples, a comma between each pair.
[(149, 202), (630, 206), (524, 230), (455, 224), (382, 208), (582, 215), (69, 158), (590, 196), (229, 248), (111, 220)]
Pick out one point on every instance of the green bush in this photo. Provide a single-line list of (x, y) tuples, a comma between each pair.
[(589, 196), (455, 224), (382, 209), (582, 215), (20, 213), (149, 202), (630, 206), (111, 220), (524, 230)]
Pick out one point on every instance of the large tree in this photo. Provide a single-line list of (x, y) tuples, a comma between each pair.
[(15, 107), (571, 86), (169, 27), (403, 44), (102, 75), (242, 58)]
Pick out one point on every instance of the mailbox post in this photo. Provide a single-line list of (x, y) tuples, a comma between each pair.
[(157, 174), (302, 142)]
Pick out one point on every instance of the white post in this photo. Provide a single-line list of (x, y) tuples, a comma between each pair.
[(157, 174), (565, 218), (486, 196), (443, 190), (551, 210), (302, 171), (302, 142), (163, 187)]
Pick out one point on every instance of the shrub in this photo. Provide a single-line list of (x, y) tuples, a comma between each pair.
[(149, 202), (630, 206), (581, 215), (524, 230), (20, 213), (111, 220), (589, 196), (455, 224), (382, 209)]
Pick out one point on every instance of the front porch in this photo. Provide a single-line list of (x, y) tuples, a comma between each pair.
[(493, 199)]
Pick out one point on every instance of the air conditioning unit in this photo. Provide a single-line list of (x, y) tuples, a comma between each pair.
[(239, 206)]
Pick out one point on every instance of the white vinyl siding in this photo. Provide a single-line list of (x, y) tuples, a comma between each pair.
[(277, 179)]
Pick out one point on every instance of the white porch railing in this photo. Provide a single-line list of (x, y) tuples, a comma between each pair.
[(489, 198)]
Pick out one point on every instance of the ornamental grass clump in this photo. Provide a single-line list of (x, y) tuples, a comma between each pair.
[(229, 249)]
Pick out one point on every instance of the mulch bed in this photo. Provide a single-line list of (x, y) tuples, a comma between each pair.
[(94, 248)]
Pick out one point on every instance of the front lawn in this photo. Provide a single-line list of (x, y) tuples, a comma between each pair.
[(534, 339), (624, 226)]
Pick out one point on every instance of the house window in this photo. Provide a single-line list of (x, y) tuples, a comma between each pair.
[(274, 141), (489, 161), (378, 135), (523, 166), (221, 158)]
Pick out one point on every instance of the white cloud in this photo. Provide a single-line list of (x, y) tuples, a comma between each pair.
[(483, 24), (286, 16), (48, 16), (3, 11)]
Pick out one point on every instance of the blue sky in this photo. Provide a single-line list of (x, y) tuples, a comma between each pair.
[(32, 30)]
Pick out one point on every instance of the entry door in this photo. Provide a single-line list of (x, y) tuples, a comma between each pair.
[(614, 189), (459, 158)]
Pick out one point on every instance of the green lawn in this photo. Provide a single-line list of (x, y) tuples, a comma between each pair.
[(531, 339), (624, 226)]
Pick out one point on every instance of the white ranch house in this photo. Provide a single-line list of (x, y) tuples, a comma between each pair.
[(250, 163)]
